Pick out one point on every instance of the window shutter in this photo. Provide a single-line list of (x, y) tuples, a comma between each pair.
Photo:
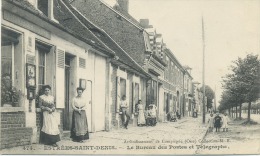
[(133, 97), (118, 97), (82, 63), (127, 92), (60, 77)]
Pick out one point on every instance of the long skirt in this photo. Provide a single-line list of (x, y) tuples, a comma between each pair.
[(79, 129), (49, 128), (141, 118)]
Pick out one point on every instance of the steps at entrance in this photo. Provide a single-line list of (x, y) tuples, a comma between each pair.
[(66, 134)]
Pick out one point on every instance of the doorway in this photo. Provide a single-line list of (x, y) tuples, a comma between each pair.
[(89, 104), (67, 114)]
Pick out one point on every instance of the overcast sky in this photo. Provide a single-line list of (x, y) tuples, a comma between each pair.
[(232, 30)]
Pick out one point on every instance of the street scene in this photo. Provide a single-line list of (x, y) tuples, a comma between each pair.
[(121, 77)]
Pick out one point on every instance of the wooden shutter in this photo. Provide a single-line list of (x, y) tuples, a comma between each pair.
[(60, 78), (118, 97), (127, 92), (133, 97)]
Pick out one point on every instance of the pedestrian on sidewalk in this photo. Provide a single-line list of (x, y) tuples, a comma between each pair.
[(178, 114), (124, 109), (152, 115), (50, 133), (217, 122), (225, 122), (211, 123), (140, 111), (79, 129)]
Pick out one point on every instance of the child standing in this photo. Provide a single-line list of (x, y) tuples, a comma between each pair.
[(225, 122), (211, 123), (217, 121)]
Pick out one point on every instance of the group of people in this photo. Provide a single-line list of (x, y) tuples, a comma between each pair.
[(217, 122), (173, 116), (145, 116), (50, 133)]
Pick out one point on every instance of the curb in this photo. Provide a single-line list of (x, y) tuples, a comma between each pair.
[(205, 134)]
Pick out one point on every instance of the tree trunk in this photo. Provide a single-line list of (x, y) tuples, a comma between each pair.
[(229, 111), (232, 112), (249, 112), (240, 110), (236, 112)]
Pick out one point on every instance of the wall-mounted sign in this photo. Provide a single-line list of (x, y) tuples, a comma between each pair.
[(30, 94), (82, 83), (30, 76)]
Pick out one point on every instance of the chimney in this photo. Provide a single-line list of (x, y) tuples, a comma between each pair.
[(145, 23), (123, 4)]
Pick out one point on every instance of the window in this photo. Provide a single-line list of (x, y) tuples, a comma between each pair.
[(6, 60), (43, 6), (135, 95), (41, 52), (122, 87), (10, 68), (41, 69)]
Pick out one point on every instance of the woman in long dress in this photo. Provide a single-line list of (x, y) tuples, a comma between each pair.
[(79, 129), (50, 130), (140, 110)]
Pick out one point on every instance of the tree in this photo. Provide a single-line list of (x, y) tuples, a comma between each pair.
[(210, 94), (244, 81)]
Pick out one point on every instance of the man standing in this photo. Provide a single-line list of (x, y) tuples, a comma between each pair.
[(124, 108)]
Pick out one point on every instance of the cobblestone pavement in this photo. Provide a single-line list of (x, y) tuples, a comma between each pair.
[(171, 138), (240, 139)]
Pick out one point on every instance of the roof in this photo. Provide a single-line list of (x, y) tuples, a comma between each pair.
[(124, 14), (84, 36), (124, 58), (169, 52), (66, 19)]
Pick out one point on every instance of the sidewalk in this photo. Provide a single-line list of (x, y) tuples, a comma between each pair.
[(240, 139), (174, 136)]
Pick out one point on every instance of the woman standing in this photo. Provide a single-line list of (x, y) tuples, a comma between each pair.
[(50, 131), (140, 110), (79, 129)]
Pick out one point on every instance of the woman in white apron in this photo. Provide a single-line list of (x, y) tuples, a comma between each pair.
[(49, 131)]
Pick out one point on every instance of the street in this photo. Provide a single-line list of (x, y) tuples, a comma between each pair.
[(187, 135), (171, 137)]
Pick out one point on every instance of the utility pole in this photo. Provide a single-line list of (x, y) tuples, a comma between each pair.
[(203, 73), (215, 100)]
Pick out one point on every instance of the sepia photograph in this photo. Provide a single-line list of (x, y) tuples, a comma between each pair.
[(137, 77)]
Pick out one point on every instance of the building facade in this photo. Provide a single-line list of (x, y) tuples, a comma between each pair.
[(89, 44), (51, 54)]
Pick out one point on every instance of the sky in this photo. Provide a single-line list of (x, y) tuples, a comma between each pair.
[(232, 30)]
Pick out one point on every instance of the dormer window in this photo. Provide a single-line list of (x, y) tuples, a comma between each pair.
[(46, 7), (42, 5)]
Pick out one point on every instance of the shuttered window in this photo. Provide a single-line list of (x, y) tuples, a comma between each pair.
[(82, 63)]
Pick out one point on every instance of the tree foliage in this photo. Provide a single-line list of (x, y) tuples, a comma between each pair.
[(210, 94), (242, 84)]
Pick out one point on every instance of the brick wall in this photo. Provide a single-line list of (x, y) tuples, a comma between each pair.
[(129, 37), (13, 130)]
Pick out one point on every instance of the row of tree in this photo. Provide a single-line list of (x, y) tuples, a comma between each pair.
[(242, 85)]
